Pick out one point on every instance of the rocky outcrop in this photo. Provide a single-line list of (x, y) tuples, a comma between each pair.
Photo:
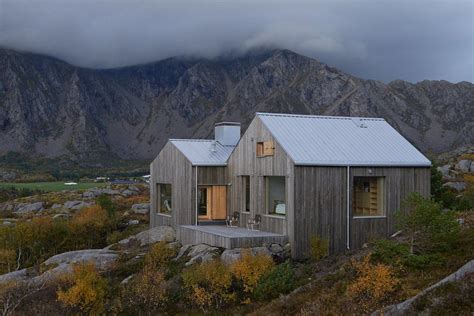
[(23, 208), (60, 264), (142, 208), (130, 112), (76, 205), (403, 308), (152, 235)]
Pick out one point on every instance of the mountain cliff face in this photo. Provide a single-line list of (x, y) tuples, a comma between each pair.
[(53, 109)]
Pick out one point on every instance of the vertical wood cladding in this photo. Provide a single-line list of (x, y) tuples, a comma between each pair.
[(320, 204), (244, 162)]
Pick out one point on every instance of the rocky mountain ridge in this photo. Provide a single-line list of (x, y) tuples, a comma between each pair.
[(53, 109)]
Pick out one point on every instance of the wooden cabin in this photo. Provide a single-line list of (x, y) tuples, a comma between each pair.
[(340, 178)]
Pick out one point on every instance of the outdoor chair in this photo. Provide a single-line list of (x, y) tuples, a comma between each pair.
[(254, 223), (234, 220)]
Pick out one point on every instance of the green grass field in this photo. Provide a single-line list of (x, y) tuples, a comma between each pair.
[(52, 186)]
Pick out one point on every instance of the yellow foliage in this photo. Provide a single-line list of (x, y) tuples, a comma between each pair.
[(249, 269), (148, 290), (88, 289), (159, 256), (209, 284), (319, 248), (374, 283), (7, 260), (469, 178), (91, 216)]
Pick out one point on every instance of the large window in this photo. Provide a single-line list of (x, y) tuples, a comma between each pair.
[(275, 192), (369, 196), (164, 198), (246, 193)]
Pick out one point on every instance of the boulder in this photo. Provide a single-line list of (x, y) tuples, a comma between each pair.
[(62, 216), (19, 275), (29, 207), (231, 255), (141, 208), (56, 206), (76, 205), (445, 171), (276, 248), (6, 207), (458, 186), (464, 165), (101, 258), (93, 193), (127, 193), (152, 235), (201, 253), (133, 222)]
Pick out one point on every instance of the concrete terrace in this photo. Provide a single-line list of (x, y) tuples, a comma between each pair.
[(227, 237)]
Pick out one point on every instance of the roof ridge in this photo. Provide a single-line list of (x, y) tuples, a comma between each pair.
[(320, 116)]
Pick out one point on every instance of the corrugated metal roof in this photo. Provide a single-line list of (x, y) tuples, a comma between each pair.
[(201, 152), (336, 141)]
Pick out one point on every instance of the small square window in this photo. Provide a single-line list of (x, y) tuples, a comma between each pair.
[(265, 149)]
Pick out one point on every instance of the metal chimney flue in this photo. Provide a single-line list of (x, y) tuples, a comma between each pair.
[(227, 133)]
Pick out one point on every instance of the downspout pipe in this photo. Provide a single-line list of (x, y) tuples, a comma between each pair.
[(196, 183), (348, 209)]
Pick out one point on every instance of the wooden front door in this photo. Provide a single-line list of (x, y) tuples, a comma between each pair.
[(212, 202)]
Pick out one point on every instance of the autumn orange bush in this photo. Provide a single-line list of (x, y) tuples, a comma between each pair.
[(250, 268), (208, 284), (374, 283), (148, 291), (159, 256), (86, 289), (319, 248)]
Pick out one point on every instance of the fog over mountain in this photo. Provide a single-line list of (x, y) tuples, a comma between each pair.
[(383, 40)]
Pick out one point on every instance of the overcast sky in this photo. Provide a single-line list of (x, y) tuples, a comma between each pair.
[(385, 40)]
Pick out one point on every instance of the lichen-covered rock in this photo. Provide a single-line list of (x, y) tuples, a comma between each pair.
[(464, 165), (93, 193), (152, 235), (76, 205), (458, 186), (28, 207), (231, 255), (141, 208), (101, 258), (200, 253)]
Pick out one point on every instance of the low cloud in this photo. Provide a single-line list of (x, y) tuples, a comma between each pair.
[(385, 40)]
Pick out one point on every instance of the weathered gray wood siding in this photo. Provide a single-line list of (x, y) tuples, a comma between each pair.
[(171, 166), (320, 208), (399, 183), (321, 197), (244, 161)]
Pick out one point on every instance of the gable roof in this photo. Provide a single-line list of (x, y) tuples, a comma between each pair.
[(341, 141), (200, 152)]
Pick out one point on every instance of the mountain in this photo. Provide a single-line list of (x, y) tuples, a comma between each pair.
[(53, 109)]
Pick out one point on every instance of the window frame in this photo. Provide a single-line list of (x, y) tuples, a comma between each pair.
[(265, 148), (380, 197), (268, 211), (246, 195), (159, 198)]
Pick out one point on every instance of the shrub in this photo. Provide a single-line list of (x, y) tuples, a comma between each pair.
[(209, 284), (279, 280), (250, 268), (319, 248), (87, 291), (148, 291), (373, 285), (106, 203), (89, 227), (426, 225), (159, 256)]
